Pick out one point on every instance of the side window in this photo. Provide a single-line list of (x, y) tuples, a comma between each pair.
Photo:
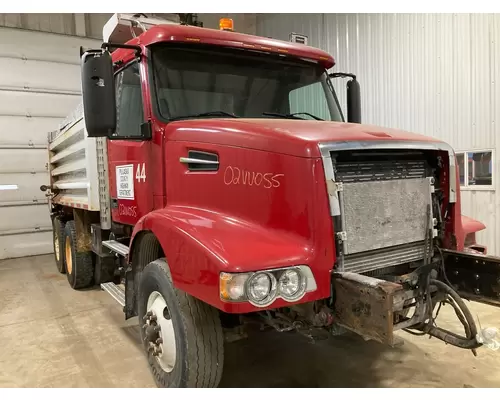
[(479, 168), (129, 108), (475, 168), (461, 168), (310, 99)]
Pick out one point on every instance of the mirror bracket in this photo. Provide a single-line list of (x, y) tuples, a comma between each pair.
[(353, 96), (342, 75), (107, 46)]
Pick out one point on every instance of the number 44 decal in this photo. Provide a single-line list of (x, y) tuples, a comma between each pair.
[(140, 174)]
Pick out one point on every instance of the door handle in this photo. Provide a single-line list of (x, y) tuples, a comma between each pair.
[(188, 160), (201, 161)]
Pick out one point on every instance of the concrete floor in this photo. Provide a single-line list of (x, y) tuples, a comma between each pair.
[(53, 336)]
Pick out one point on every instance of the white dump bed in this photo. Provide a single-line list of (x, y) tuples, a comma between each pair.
[(73, 164)]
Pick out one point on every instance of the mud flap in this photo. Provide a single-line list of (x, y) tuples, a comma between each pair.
[(474, 276)]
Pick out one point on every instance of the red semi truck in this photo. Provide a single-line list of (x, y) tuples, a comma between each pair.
[(209, 179)]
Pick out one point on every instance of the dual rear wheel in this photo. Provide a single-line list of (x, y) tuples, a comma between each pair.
[(78, 266)]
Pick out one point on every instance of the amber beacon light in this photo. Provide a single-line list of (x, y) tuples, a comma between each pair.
[(226, 24)]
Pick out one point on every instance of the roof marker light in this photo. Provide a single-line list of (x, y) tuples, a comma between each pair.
[(226, 24)]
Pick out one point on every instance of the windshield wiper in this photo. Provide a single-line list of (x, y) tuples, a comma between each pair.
[(206, 114), (292, 116)]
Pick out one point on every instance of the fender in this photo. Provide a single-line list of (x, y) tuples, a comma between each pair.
[(199, 244), (470, 227)]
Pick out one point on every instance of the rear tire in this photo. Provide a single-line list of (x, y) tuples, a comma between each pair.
[(79, 265), (58, 235), (188, 327)]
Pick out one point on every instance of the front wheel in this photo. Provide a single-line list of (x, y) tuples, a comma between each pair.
[(182, 336)]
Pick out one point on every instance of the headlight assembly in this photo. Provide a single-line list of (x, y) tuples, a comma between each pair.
[(292, 284), (263, 287)]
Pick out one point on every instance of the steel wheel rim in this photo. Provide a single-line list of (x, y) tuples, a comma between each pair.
[(69, 260), (157, 305), (56, 245)]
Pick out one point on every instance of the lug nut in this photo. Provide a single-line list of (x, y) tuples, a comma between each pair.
[(159, 341), (149, 313), (153, 318), (156, 353)]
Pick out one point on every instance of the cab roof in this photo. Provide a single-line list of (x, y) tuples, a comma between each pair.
[(193, 34)]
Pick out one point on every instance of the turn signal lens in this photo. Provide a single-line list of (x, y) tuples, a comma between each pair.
[(226, 24), (232, 286)]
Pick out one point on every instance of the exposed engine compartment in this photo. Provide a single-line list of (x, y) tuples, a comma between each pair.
[(390, 212)]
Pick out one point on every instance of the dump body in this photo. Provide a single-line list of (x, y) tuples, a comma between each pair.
[(74, 177)]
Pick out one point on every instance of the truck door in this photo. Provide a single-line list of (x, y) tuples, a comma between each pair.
[(476, 277), (129, 155)]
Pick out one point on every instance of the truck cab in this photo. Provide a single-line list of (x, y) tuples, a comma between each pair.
[(233, 189)]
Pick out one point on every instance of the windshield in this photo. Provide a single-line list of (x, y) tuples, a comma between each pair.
[(206, 82)]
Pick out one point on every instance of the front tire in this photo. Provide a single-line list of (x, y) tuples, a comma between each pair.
[(182, 336), (79, 265)]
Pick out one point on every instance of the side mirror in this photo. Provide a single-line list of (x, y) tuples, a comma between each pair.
[(353, 101), (353, 97), (98, 89)]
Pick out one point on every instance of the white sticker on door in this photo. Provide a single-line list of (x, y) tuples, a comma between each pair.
[(125, 182)]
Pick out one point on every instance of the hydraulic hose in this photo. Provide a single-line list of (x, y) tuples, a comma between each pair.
[(465, 317)]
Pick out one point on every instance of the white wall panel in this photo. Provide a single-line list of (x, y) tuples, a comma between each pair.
[(95, 22), (39, 76), (21, 160), (26, 244), (39, 86), (18, 218), (28, 190), (36, 104), (22, 44), (55, 23), (435, 74), (22, 131)]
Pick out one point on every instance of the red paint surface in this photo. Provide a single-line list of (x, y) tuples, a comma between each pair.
[(470, 225), (236, 220), (195, 35), (267, 204)]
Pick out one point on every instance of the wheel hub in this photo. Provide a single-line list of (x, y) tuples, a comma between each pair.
[(152, 333), (69, 259), (159, 332)]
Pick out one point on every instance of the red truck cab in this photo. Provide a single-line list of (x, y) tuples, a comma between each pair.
[(238, 191)]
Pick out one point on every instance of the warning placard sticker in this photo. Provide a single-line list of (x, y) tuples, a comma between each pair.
[(125, 182)]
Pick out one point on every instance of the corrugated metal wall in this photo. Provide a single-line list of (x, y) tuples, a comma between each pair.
[(435, 74)]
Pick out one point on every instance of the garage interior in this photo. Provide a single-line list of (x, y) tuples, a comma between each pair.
[(435, 74)]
